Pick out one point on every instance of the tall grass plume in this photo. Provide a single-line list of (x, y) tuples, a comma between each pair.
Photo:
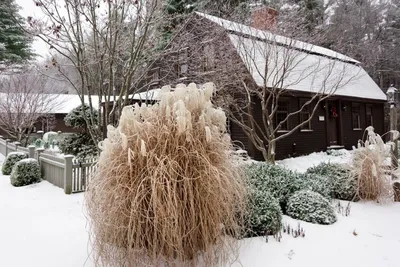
[(166, 192)]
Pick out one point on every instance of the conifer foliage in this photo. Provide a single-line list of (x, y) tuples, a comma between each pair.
[(14, 43)]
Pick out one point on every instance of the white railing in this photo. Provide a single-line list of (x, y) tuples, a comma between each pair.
[(71, 175)]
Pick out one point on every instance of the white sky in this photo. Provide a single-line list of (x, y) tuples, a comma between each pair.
[(29, 9)]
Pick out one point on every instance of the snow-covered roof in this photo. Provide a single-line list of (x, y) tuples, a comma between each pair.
[(296, 65)]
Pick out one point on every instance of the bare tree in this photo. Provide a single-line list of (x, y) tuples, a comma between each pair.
[(106, 43), (254, 71), (24, 103)]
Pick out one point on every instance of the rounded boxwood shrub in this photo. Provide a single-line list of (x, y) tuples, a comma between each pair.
[(282, 183), (265, 214), (10, 161), (25, 172), (311, 207), (343, 186), (318, 183)]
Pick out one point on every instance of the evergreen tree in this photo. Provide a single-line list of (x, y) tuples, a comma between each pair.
[(14, 43)]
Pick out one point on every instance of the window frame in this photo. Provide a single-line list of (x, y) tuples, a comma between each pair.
[(355, 111), (183, 65), (209, 62), (308, 126), (369, 115), (287, 128)]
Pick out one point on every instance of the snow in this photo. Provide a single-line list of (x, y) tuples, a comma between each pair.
[(311, 69), (269, 36), (40, 226), (301, 164)]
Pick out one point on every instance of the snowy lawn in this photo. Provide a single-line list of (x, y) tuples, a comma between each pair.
[(301, 164), (42, 227)]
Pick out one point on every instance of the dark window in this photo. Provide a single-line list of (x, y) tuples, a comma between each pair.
[(209, 57), (183, 62), (355, 109), (370, 121), (281, 114), (305, 114), (155, 75)]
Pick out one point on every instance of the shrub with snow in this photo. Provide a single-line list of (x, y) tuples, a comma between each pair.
[(80, 144), (265, 214), (282, 183), (318, 183), (343, 185), (311, 207), (11, 159), (25, 172)]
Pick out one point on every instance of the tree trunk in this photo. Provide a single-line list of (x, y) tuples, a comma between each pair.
[(271, 152)]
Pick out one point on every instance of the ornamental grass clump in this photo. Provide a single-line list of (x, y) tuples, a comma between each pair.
[(369, 169), (165, 190)]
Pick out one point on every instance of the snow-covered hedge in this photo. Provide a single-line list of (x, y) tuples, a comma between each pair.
[(11, 159), (343, 186), (265, 214), (311, 207), (318, 183), (282, 183), (25, 172)]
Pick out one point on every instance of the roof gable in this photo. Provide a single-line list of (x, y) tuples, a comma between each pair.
[(281, 62)]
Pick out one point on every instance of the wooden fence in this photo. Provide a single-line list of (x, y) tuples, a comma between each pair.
[(65, 172)]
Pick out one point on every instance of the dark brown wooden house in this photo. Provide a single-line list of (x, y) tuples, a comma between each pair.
[(210, 49)]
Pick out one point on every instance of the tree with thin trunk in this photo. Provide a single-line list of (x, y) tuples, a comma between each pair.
[(23, 103), (106, 44), (254, 71)]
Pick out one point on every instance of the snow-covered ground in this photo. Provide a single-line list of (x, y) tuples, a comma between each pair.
[(301, 164), (40, 226)]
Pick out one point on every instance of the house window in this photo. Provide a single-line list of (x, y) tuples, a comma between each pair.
[(305, 115), (155, 75), (370, 121), (209, 57), (281, 114), (355, 109), (183, 62)]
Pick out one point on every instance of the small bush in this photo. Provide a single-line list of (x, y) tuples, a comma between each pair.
[(318, 183), (265, 214), (80, 145), (311, 207), (343, 186), (282, 183), (11, 160), (25, 172)]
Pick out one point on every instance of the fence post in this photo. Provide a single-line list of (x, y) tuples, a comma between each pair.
[(16, 145), (68, 174), (31, 151), (39, 150), (7, 141)]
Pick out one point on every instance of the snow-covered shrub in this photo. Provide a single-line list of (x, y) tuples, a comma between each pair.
[(343, 185), (25, 172), (264, 214), (50, 137), (76, 117), (165, 188), (318, 183), (368, 168), (11, 159), (80, 144), (281, 182), (311, 207)]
